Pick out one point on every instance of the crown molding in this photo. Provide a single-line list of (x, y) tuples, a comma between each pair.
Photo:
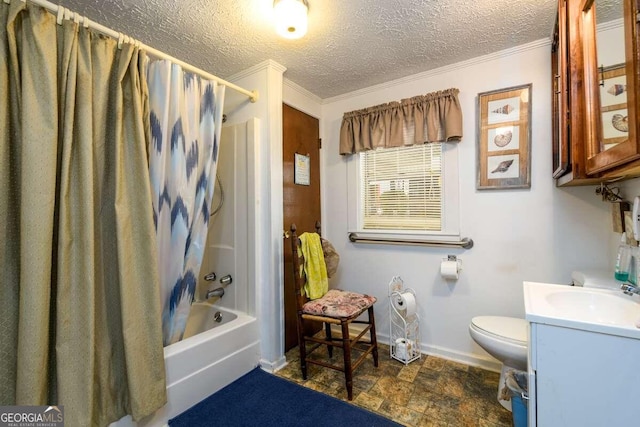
[(302, 91), (610, 25), (442, 70), (264, 65)]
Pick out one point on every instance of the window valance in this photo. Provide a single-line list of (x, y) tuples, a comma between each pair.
[(434, 117)]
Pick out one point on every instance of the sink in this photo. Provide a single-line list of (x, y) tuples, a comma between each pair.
[(597, 310), (596, 307)]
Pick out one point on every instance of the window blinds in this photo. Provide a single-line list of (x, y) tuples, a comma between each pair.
[(401, 188)]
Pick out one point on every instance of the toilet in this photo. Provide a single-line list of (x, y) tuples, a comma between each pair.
[(599, 279), (505, 338)]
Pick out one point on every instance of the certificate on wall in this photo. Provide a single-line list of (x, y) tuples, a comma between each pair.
[(301, 170)]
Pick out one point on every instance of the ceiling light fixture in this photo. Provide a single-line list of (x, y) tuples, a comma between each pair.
[(291, 18)]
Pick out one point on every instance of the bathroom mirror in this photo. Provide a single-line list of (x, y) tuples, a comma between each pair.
[(609, 32), (610, 54)]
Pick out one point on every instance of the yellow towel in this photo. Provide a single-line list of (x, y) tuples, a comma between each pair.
[(314, 267)]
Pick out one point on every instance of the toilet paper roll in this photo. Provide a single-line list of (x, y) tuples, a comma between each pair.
[(405, 303), (449, 270), (404, 349)]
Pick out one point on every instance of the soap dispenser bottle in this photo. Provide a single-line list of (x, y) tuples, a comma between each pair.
[(623, 260), (633, 265)]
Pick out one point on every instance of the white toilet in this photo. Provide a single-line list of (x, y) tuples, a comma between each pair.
[(505, 338)]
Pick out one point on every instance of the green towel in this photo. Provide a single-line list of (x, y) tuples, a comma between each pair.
[(314, 267)]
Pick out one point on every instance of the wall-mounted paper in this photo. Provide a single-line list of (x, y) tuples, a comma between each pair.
[(302, 169)]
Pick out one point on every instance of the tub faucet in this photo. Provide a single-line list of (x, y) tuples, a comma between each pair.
[(217, 292), (630, 289)]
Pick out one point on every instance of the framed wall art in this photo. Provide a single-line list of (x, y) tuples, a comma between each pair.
[(613, 103), (504, 138)]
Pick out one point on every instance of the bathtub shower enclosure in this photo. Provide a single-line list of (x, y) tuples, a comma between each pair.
[(213, 354)]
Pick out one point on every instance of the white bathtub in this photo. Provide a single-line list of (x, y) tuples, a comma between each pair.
[(211, 356), (204, 317)]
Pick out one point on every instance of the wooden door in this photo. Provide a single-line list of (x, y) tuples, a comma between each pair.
[(301, 201)]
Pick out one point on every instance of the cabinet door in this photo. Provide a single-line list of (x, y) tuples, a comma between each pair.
[(580, 380), (610, 83), (559, 95), (573, 101)]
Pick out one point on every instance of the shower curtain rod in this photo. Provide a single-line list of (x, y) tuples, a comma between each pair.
[(65, 13)]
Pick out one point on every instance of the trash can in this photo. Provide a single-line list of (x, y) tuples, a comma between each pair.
[(516, 383)]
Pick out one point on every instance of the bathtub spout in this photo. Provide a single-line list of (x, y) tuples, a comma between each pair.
[(217, 292)]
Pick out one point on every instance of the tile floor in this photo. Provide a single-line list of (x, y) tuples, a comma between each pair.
[(428, 392)]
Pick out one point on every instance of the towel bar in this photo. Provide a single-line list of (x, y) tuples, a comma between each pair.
[(465, 242)]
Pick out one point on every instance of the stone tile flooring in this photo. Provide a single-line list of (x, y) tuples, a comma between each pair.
[(428, 392)]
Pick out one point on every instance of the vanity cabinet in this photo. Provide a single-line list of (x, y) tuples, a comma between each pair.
[(595, 87), (582, 378)]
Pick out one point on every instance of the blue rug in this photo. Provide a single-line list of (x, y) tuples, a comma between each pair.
[(262, 399)]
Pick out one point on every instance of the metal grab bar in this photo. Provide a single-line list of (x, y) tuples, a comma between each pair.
[(465, 242)]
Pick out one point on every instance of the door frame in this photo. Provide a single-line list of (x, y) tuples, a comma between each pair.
[(298, 98)]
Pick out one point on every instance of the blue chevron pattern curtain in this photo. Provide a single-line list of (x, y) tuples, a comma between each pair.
[(186, 118)]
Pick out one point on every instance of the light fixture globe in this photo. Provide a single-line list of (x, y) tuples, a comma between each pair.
[(290, 18)]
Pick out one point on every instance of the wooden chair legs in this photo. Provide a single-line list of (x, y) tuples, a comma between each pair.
[(372, 334), (346, 350), (346, 342), (302, 345), (327, 329), (336, 307), (346, 346)]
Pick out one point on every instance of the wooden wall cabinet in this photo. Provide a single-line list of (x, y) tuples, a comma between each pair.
[(595, 92), (560, 95)]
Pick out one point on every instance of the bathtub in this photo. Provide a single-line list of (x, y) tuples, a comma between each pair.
[(211, 355)]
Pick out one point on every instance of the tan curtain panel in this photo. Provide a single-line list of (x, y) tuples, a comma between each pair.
[(78, 275), (434, 117)]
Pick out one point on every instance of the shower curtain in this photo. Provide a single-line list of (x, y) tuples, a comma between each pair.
[(186, 119), (80, 320)]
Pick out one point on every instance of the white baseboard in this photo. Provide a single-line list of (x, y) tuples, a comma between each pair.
[(477, 360), (273, 366)]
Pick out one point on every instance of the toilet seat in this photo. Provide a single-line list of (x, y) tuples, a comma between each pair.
[(504, 338), (508, 329)]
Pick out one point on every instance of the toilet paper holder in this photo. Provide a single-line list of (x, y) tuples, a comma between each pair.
[(404, 323), (450, 267)]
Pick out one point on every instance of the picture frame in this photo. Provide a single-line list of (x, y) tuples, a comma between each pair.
[(613, 103), (613, 82), (302, 169), (504, 138)]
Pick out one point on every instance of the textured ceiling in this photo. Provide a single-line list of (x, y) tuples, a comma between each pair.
[(350, 44)]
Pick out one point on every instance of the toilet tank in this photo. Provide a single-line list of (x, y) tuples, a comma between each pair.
[(592, 278)]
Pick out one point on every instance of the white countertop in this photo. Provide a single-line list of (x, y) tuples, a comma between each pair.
[(595, 310)]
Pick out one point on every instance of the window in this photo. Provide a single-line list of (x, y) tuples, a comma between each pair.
[(401, 188), (411, 190)]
